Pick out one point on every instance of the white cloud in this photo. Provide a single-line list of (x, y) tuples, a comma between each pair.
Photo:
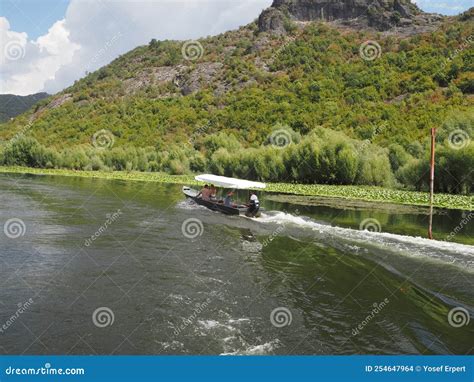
[(93, 33), (27, 65)]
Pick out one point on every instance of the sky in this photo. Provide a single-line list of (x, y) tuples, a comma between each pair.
[(45, 45)]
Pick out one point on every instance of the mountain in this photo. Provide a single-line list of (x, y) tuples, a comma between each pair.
[(381, 15), (320, 91), (12, 105)]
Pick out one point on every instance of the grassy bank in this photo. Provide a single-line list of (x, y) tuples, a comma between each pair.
[(370, 194)]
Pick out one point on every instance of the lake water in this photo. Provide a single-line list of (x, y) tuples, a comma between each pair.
[(110, 267)]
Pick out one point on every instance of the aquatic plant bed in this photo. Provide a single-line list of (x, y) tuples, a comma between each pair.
[(366, 193)]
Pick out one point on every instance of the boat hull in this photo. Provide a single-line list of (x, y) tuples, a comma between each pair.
[(215, 206)]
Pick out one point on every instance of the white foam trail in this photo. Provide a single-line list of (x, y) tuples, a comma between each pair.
[(415, 246), (189, 205), (282, 217), (263, 349)]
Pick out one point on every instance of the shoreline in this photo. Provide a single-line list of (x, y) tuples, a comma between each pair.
[(364, 193)]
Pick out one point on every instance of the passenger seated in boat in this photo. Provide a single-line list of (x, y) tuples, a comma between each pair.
[(204, 193), (212, 192), (228, 199), (254, 205)]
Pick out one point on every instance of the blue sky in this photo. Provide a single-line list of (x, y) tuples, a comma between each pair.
[(445, 7), (35, 17), (48, 44)]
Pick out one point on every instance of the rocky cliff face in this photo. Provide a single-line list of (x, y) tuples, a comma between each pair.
[(382, 15)]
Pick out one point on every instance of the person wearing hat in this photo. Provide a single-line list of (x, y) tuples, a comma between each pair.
[(254, 205)]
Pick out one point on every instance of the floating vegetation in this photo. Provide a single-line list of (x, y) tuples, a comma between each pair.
[(365, 193)]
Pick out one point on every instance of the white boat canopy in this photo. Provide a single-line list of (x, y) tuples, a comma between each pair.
[(225, 182)]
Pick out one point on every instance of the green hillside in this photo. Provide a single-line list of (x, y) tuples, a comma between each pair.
[(13, 105), (305, 106)]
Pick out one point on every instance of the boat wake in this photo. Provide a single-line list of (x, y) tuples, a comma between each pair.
[(189, 205), (360, 241), (232, 340)]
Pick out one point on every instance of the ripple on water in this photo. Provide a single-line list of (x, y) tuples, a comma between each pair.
[(262, 349)]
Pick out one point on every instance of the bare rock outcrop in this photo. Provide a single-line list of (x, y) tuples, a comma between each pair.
[(381, 15)]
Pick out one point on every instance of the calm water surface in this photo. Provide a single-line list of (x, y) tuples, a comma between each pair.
[(301, 280)]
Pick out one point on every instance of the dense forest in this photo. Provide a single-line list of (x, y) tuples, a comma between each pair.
[(306, 106)]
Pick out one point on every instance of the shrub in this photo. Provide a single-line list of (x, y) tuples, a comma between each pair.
[(398, 156), (374, 168), (414, 174), (26, 151), (222, 140)]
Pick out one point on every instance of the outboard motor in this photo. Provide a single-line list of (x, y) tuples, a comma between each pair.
[(254, 206)]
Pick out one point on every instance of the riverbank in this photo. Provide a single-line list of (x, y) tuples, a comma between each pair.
[(365, 193)]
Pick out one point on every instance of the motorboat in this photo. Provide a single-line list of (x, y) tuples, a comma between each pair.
[(216, 204)]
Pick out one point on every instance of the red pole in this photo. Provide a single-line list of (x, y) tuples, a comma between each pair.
[(432, 174)]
